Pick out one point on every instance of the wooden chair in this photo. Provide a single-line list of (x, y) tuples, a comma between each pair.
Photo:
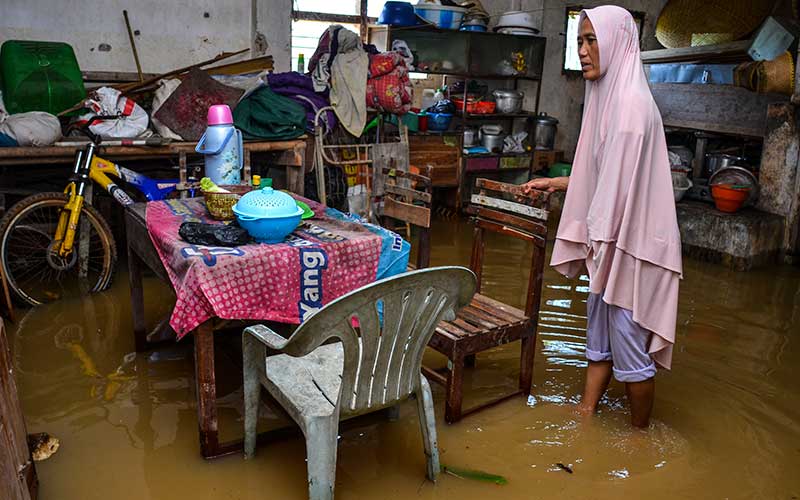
[(411, 205), (487, 323), (369, 368)]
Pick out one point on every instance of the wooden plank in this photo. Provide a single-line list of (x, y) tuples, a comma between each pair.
[(408, 193), (113, 76), (714, 108), (520, 314), (510, 206), (483, 316), (694, 54), (475, 320), (434, 376), (465, 326), (497, 312), (256, 64), (400, 174), (512, 220), (451, 330), (533, 198), (508, 231), (413, 214)]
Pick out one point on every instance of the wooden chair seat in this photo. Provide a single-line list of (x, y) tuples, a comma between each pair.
[(486, 323)]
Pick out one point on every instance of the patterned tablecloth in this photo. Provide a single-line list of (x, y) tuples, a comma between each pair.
[(324, 258)]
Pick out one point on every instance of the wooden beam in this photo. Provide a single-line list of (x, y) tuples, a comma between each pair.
[(408, 193), (704, 53), (413, 214), (714, 108), (510, 206)]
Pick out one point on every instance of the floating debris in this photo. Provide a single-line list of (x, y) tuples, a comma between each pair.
[(564, 467), (476, 475), (42, 446)]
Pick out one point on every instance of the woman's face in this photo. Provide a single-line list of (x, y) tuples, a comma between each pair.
[(589, 51)]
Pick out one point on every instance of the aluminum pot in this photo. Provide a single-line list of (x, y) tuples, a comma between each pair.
[(508, 101), (717, 161), (544, 131), (492, 137)]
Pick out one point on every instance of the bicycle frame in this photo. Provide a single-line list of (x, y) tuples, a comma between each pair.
[(91, 168)]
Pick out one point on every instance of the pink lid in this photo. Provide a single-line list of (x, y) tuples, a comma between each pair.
[(220, 114)]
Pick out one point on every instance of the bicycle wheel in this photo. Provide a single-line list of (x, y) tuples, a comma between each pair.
[(29, 253)]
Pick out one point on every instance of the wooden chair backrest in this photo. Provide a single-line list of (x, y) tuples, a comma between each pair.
[(410, 204), (506, 209)]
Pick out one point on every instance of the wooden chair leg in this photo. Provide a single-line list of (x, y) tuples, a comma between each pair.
[(526, 364), (455, 388), (469, 361)]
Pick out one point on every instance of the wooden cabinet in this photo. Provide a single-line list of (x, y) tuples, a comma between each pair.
[(439, 152)]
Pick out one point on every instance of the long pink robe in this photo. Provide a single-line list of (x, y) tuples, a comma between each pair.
[(619, 216)]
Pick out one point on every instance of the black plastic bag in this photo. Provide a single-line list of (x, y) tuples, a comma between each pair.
[(213, 235)]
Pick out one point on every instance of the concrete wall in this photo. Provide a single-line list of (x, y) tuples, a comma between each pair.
[(562, 94), (173, 33)]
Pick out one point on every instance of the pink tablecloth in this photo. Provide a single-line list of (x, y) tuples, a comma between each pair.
[(322, 260)]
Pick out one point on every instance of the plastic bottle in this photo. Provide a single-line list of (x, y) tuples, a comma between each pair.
[(256, 181), (301, 63)]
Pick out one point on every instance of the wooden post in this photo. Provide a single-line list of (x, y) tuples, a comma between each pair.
[(18, 479), (137, 299), (206, 384), (476, 263)]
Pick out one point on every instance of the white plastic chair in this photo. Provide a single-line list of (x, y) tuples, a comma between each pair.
[(371, 367)]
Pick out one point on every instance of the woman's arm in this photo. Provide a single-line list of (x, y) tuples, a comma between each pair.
[(547, 184)]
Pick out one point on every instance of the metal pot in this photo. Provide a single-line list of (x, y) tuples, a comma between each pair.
[(544, 131), (469, 137), (508, 101), (717, 161), (492, 137)]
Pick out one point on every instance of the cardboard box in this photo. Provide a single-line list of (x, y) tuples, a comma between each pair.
[(544, 158)]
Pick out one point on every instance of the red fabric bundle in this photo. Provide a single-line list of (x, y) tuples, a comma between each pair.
[(389, 87)]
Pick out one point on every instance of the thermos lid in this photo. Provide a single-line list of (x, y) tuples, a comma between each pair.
[(544, 118), (220, 114)]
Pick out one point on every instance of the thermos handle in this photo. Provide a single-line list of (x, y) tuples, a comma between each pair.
[(199, 146), (241, 148)]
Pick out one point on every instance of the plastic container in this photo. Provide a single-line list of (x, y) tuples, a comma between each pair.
[(439, 122), (40, 76), (428, 99), (442, 16), (222, 146), (269, 216), (398, 14), (728, 198), (680, 184)]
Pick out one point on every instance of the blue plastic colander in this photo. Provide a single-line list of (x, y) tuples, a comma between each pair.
[(268, 215)]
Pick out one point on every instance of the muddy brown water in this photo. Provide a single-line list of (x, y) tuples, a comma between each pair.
[(726, 421)]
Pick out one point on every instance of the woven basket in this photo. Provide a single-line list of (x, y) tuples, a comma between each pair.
[(776, 76), (220, 205), (701, 39), (681, 18)]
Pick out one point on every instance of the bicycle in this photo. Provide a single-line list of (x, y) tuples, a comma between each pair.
[(55, 243)]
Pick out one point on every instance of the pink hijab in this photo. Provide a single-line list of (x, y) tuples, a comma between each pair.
[(619, 215)]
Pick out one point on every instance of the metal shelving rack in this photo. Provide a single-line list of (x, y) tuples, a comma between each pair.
[(426, 41)]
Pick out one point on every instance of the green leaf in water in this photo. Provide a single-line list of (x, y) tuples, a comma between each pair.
[(475, 475)]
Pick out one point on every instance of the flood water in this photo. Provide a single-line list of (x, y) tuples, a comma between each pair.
[(726, 419)]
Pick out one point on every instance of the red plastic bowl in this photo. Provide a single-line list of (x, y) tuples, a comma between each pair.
[(728, 198)]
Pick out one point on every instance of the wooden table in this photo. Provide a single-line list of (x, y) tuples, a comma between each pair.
[(141, 252), (287, 153)]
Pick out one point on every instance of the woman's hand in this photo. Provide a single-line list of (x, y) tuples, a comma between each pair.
[(547, 184)]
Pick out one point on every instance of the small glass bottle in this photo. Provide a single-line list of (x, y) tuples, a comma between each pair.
[(301, 64)]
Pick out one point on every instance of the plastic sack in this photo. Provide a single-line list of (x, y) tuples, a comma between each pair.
[(35, 128), (106, 101), (165, 89), (213, 235)]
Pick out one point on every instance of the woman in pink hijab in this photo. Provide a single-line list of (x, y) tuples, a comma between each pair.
[(619, 217)]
